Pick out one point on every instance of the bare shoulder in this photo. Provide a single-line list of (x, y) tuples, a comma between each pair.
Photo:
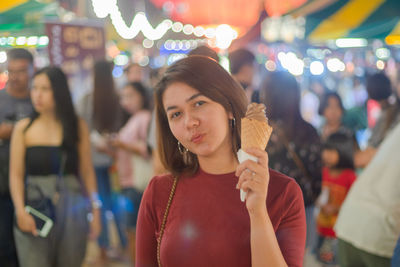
[(22, 124)]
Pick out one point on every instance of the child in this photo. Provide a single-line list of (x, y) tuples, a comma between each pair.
[(337, 177)]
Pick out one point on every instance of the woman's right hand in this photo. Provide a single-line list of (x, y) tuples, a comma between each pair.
[(114, 141), (26, 223)]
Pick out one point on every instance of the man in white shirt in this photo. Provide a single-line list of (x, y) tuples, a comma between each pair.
[(368, 225)]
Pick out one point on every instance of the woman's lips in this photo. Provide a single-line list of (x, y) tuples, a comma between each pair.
[(37, 103), (197, 138)]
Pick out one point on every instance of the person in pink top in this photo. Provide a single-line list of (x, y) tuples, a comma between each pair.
[(132, 139), (194, 216)]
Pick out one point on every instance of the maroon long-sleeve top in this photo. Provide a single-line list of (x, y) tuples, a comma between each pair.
[(208, 225)]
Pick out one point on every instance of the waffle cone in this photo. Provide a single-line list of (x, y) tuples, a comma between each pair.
[(255, 133)]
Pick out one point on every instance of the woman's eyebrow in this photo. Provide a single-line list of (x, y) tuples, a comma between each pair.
[(187, 100), (193, 97)]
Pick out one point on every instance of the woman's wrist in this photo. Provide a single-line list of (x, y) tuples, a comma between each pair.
[(20, 211), (258, 214), (96, 204), (95, 201)]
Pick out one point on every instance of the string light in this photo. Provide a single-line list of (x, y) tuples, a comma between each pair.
[(177, 27), (3, 56), (199, 31), (139, 23), (102, 9), (188, 29), (21, 40), (24, 41), (224, 35)]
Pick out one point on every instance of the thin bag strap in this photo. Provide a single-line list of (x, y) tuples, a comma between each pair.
[(292, 152), (164, 221), (62, 164), (60, 187), (61, 171)]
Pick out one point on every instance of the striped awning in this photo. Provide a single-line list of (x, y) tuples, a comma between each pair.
[(9, 4), (332, 19), (25, 16)]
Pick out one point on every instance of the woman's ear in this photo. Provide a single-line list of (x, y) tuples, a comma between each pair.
[(230, 115)]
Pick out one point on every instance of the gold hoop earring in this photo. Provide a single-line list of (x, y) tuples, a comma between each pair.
[(183, 150)]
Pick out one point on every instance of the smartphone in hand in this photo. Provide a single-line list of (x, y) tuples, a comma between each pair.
[(43, 223)]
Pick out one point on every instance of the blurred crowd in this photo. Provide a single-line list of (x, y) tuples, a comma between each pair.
[(100, 153)]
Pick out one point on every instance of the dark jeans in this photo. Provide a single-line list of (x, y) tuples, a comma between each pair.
[(130, 204), (8, 254), (104, 190), (350, 256)]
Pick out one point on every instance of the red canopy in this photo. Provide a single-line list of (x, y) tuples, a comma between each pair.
[(238, 13)]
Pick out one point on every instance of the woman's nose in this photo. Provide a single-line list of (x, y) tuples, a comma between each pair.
[(191, 120)]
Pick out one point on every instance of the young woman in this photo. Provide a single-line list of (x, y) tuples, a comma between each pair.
[(132, 141), (194, 216), (101, 110), (295, 147), (50, 157)]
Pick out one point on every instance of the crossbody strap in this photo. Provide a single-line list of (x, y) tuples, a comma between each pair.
[(60, 186), (164, 221)]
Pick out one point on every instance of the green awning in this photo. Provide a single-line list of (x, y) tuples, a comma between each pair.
[(352, 18), (26, 18)]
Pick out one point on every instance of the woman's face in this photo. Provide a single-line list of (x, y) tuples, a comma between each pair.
[(42, 94), (131, 99), (198, 123), (330, 157), (333, 113)]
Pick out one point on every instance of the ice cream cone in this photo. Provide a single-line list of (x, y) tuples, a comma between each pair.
[(255, 133)]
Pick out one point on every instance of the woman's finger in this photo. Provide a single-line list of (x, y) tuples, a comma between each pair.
[(32, 226), (250, 185), (261, 155), (250, 165), (245, 175)]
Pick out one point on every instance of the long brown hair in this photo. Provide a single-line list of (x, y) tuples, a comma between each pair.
[(280, 93), (214, 82), (106, 108)]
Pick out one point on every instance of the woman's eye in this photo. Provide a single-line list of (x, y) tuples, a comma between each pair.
[(175, 114), (199, 103)]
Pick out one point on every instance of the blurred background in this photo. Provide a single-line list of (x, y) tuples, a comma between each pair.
[(328, 45)]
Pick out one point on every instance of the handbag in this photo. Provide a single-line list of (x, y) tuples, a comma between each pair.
[(41, 202), (142, 171), (164, 221)]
